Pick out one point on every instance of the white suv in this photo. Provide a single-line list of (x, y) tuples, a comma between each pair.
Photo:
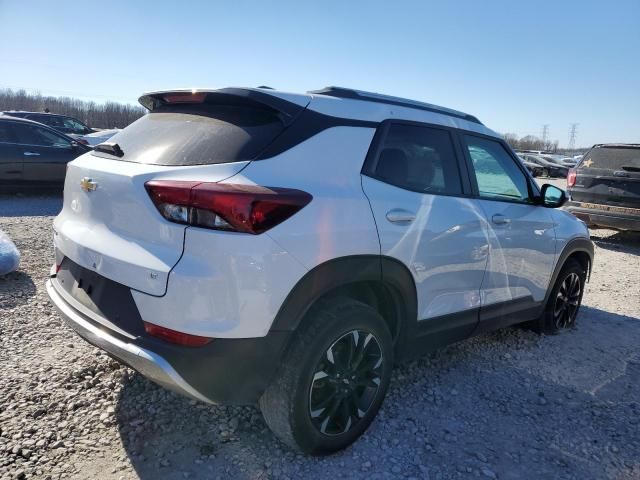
[(252, 246)]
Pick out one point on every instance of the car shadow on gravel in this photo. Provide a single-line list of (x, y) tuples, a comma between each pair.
[(623, 242), (15, 289), (166, 435), (509, 404), (40, 203)]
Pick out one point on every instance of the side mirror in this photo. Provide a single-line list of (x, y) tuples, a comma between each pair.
[(552, 196)]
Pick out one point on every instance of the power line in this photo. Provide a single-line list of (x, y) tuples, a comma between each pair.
[(573, 127), (545, 133)]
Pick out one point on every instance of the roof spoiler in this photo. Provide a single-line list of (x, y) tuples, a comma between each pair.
[(224, 96)]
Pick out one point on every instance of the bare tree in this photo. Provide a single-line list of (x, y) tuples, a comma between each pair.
[(106, 115), (530, 142)]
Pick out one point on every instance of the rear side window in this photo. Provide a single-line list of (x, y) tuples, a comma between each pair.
[(5, 133), (612, 158), (199, 134), (421, 159), (47, 120), (32, 135)]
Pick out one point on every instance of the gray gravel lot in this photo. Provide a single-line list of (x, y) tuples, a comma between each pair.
[(506, 405)]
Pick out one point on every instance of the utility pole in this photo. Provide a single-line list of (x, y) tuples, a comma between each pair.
[(572, 135), (545, 133)]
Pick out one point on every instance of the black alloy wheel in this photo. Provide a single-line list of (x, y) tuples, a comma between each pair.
[(346, 382), (567, 301)]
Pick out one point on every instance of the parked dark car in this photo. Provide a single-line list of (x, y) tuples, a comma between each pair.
[(534, 168), (605, 187), (32, 152), (549, 168), (62, 123)]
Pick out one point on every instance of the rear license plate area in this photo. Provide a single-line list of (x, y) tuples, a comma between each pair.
[(104, 297)]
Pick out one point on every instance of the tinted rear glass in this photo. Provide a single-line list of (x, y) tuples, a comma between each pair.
[(611, 158), (198, 135)]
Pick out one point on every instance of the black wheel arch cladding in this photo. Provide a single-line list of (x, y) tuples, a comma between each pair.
[(581, 246), (342, 272)]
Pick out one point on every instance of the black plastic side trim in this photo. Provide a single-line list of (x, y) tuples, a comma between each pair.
[(436, 332), (503, 314), (308, 124)]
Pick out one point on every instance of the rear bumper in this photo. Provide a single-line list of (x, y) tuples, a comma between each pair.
[(605, 216), (235, 371)]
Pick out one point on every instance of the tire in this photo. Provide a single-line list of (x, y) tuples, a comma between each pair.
[(302, 384), (564, 301), (545, 172)]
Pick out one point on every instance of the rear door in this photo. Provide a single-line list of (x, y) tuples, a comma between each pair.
[(521, 234), (609, 175), (44, 153), (10, 156), (426, 220)]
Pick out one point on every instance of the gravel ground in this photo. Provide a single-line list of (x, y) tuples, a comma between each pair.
[(506, 405)]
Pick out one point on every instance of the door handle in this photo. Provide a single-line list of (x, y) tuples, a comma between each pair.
[(398, 215), (31, 154), (500, 219)]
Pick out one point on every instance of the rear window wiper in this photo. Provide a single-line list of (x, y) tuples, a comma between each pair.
[(110, 148)]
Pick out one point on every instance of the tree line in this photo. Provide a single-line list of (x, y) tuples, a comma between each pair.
[(530, 142), (96, 115)]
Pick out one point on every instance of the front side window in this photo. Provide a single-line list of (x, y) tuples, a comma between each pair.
[(421, 159), (32, 135), (497, 174), (74, 126)]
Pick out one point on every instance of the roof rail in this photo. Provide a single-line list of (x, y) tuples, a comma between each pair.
[(619, 145), (341, 92)]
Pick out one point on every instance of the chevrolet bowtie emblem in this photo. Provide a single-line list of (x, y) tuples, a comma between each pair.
[(88, 185)]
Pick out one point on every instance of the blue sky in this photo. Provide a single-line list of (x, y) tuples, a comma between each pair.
[(516, 65)]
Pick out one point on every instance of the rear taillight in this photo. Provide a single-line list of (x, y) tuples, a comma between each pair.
[(571, 177), (222, 206), (173, 336)]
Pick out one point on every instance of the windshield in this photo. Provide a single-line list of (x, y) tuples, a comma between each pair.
[(611, 158), (198, 135)]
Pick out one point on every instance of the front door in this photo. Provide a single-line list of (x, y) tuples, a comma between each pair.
[(10, 157), (426, 220), (521, 232), (45, 153)]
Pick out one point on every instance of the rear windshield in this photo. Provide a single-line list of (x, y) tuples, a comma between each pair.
[(198, 135), (611, 158)]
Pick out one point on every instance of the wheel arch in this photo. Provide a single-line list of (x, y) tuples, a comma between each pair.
[(382, 282), (580, 249)]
